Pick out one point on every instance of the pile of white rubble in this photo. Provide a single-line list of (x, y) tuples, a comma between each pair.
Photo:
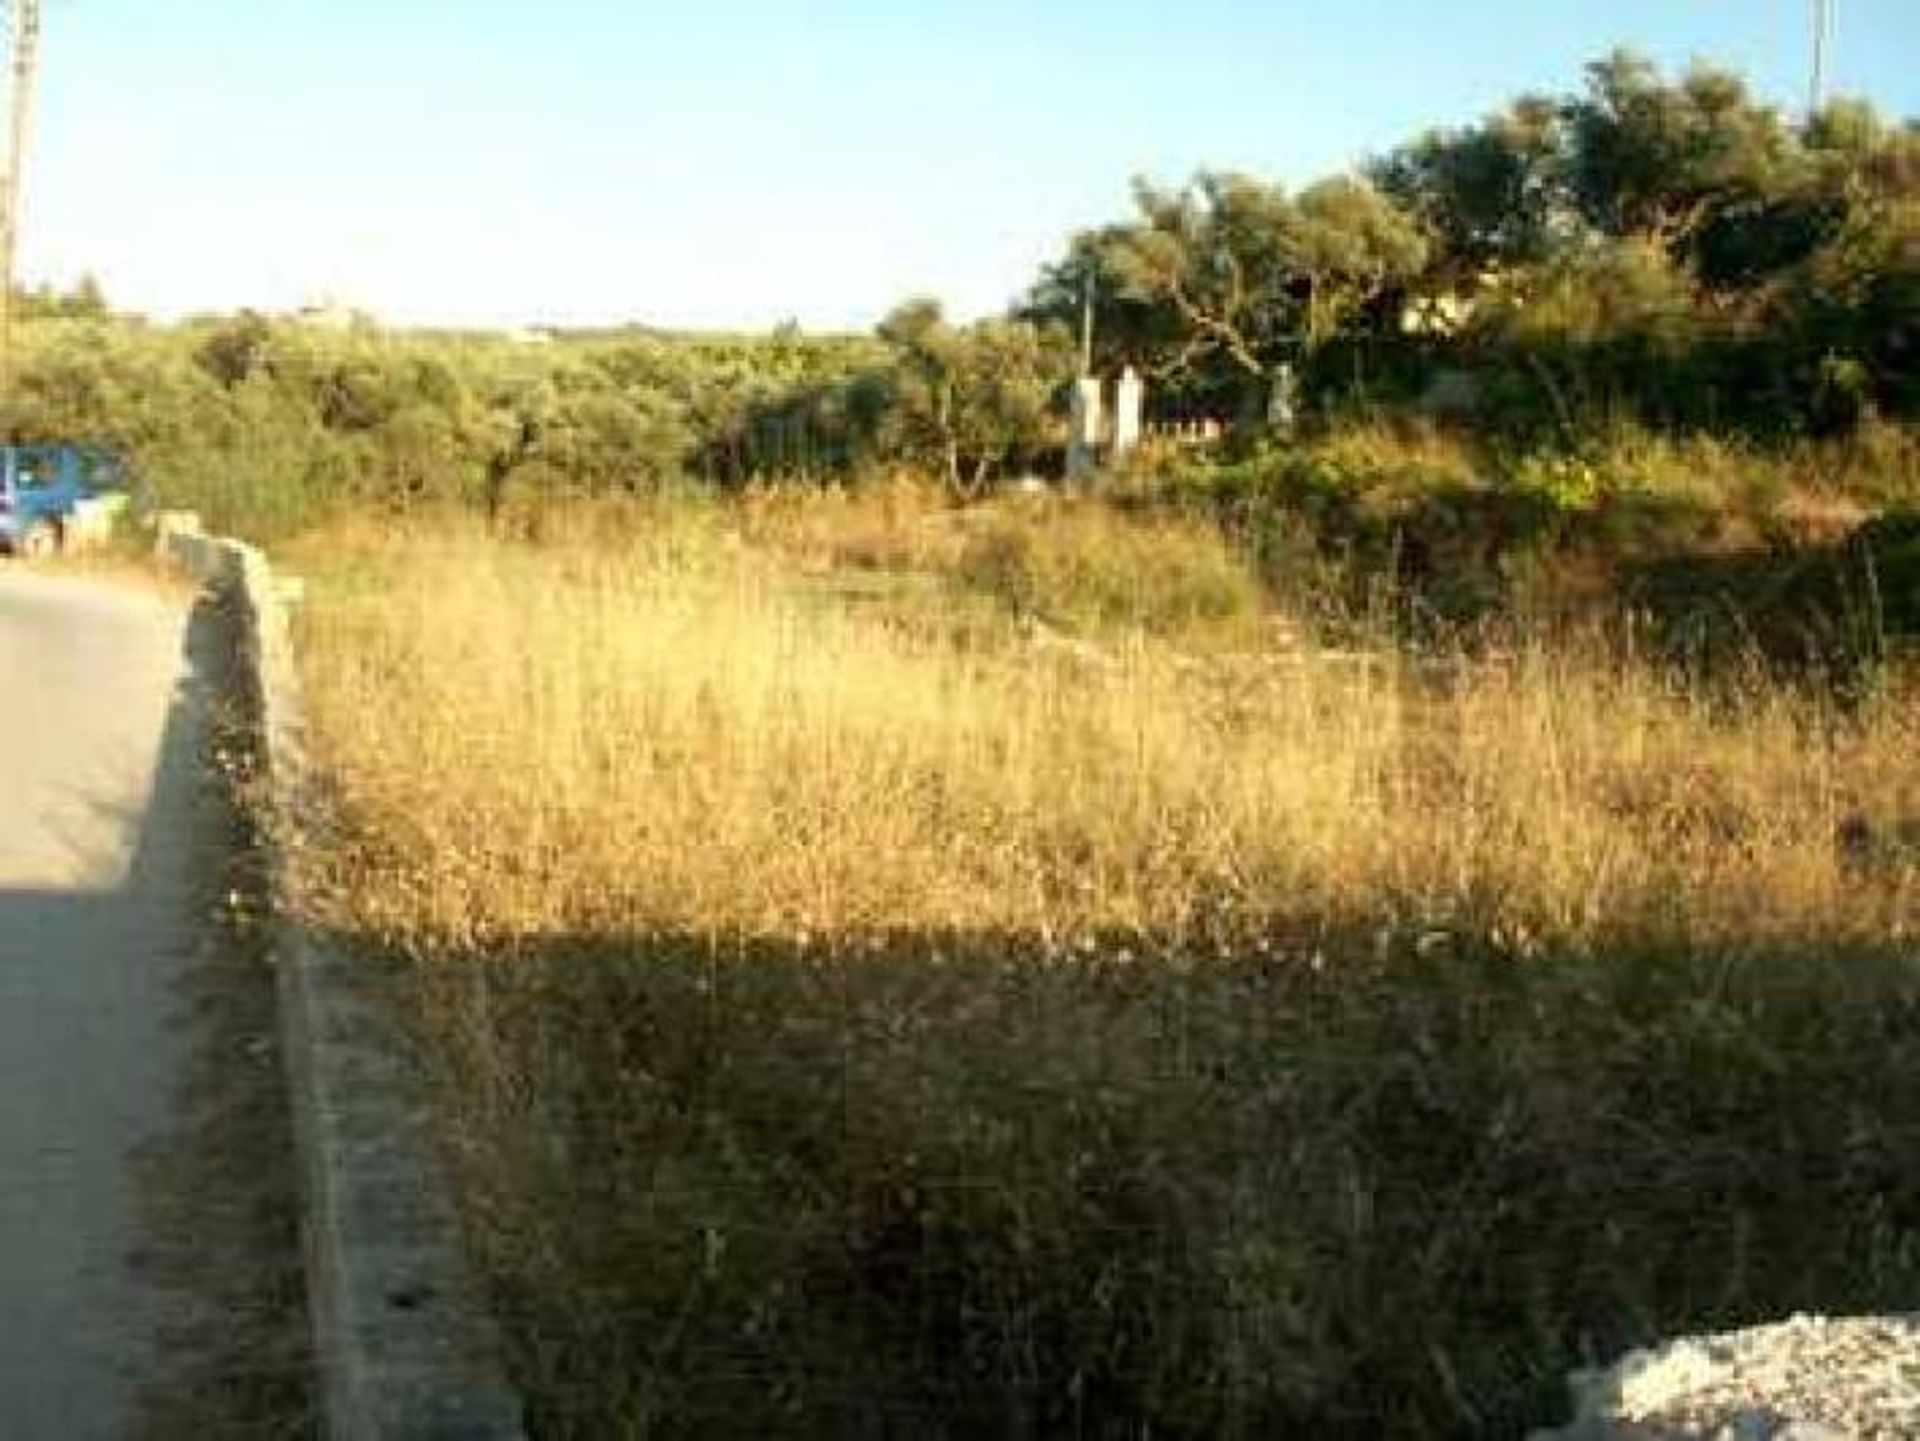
[(1812, 1378)]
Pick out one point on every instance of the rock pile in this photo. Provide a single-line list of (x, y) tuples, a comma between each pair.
[(1811, 1378)]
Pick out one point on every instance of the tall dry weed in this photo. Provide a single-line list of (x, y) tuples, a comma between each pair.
[(534, 741)]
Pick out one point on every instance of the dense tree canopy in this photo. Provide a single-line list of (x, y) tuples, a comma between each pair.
[(1556, 244)]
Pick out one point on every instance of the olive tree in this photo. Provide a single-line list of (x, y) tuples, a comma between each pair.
[(965, 399)]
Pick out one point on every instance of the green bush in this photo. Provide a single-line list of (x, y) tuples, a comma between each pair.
[(1088, 568)]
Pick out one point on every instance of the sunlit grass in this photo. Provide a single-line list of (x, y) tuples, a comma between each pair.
[(539, 741)]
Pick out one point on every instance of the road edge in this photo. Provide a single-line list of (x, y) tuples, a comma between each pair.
[(403, 1348)]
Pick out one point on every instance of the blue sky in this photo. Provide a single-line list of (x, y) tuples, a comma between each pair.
[(735, 162)]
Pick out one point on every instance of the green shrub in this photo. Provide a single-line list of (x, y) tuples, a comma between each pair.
[(1087, 568)]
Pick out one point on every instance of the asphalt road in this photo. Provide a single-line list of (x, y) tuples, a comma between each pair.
[(123, 1041)]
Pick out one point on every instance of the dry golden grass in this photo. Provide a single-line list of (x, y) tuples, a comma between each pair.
[(669, 735), (870, 992)]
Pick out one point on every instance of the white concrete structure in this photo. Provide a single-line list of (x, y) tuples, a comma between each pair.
[(1129, 403), (1084, 429)]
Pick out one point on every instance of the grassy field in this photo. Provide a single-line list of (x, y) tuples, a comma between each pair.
[(897, 971)]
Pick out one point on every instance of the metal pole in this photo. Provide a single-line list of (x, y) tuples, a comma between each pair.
[(1086, 327), (26, 54), (1816, 85)]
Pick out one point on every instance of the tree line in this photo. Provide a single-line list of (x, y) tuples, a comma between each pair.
[(1670, 251)]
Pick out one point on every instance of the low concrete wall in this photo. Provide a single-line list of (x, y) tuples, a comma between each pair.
[(404, 1350)]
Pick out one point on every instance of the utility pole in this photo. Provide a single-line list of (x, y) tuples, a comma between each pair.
[(1822, 26), (26, 60), (1086, 326)]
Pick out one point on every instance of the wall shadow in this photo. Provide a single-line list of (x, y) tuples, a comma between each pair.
[(219, 1190), (952, 1185)]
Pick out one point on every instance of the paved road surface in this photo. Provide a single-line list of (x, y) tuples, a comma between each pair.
[(104, 1014)]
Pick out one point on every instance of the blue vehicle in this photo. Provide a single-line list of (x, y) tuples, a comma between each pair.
[(47, 494)]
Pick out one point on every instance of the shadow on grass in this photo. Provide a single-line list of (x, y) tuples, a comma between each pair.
[(1831, 610), (944, 1185), (1440, 553), (1720, 586)]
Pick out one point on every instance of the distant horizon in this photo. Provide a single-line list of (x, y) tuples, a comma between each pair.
[(323, 313), (468, 166)]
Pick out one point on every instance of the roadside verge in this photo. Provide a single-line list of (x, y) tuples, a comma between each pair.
[(404, 1350)]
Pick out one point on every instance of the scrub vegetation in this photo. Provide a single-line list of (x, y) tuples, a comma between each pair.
[(1386, 896)]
